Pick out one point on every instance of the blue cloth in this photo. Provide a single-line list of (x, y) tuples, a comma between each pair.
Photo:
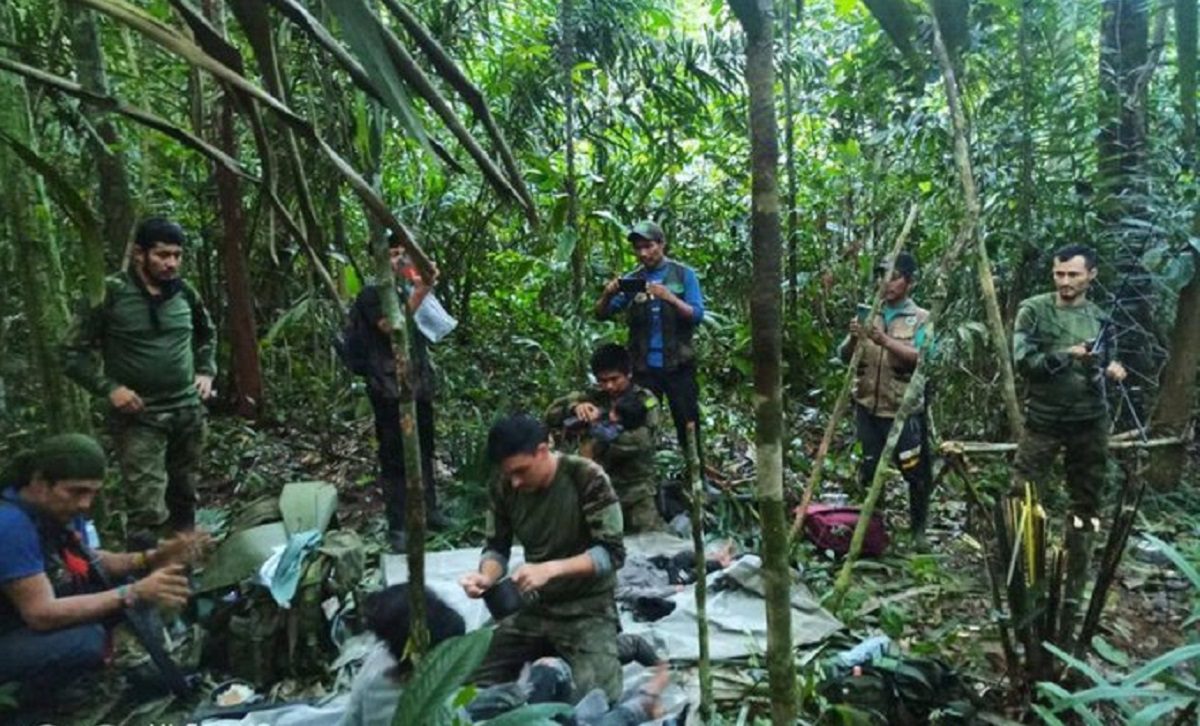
[(20, 549), (691, 295), (286, 579), (921, 339), (44, 661)]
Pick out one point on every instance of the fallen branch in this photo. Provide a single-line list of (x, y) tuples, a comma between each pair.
[(964, 448)]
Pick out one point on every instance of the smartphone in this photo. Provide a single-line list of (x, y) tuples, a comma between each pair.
[(864, 311), (632, 285)]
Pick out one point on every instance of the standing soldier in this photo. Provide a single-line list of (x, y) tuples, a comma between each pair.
[(891, 346), (1057, 348), (148, 348)]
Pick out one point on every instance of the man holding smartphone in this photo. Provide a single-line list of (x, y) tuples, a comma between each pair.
[(892, 342), (664, 306)]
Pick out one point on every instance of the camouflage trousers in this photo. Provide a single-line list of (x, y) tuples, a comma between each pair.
[(641, 515), (587, 642), (159, 455), (1085, 458)]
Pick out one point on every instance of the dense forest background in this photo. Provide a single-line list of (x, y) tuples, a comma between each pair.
[(518, 140)]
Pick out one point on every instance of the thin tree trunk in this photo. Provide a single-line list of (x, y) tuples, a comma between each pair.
[(398, 316), (117, 209), (701, 588), (789, 136), (25, 215), (243, 335), (1026, 199), (1177, 391), (566, 55), (757, 21)]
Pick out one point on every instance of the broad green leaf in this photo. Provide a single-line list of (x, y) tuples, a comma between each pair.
[(439, 675), (1189, 571), (1106, 651), (1155, 712), (1163, 662), (1075, 663)]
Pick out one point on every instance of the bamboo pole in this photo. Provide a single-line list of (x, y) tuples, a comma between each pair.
[(705, 665), (843, 399)]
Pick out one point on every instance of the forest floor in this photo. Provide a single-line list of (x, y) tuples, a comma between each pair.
[(934, 603)]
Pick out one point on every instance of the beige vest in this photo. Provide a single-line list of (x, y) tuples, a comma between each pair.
[(881, 377)]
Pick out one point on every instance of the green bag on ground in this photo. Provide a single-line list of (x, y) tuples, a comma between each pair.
[(898, 692), (268, 643)]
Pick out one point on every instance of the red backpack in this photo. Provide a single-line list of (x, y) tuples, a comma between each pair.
[(831, 527)]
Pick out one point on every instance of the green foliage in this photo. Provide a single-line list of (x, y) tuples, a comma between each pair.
[(438, 677)]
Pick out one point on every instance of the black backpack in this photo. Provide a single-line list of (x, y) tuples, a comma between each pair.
[(904, 691)]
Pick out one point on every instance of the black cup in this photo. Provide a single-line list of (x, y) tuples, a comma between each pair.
[(503, 599)]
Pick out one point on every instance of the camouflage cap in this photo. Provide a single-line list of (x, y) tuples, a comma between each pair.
[(646, 230)]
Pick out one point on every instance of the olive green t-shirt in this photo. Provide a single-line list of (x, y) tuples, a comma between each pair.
[(1061, 389), (575, 513)]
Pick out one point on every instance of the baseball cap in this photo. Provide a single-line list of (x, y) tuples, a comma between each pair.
[(645, 230), (906, 265)]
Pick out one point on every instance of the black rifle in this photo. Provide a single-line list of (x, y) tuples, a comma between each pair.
[(172, 675), (1102, 349)]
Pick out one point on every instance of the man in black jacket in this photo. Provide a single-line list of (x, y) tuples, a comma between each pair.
[(383, 390)]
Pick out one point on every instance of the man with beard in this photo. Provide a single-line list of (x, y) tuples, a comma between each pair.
[(149, 349), (1056, 348)]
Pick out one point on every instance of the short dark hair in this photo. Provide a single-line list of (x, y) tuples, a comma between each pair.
[(158, 230), (631, 411), (393, 240), (611, 357), (517, 433), (386, 614), (905, 266), (1067, 252)]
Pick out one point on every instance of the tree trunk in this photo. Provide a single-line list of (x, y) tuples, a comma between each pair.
[(1177, 390), (1121, 183), (765, 318), (1026, 199), (566, 54), (117, 209), (246, 370), (25, 215)]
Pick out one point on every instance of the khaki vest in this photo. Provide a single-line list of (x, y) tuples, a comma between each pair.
[(881, 377)]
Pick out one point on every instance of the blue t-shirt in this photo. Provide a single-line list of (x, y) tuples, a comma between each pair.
[(20, 550), (691, 296)]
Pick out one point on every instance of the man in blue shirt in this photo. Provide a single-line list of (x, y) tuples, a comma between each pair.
[(664, 306), (55, 613)]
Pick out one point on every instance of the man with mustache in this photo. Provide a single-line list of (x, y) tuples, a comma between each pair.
[(149, 349), (1056, 348)]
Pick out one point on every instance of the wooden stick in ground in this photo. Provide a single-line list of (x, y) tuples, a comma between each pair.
[(706, 681), (843, 399), (916, 386)]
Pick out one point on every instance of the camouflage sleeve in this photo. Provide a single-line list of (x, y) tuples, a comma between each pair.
[(497, 528), (606, 527), (81, 350), (204, 337), (632, 444), (561, 409), (1028, 357)]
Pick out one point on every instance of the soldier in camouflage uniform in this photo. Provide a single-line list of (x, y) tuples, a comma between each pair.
[(628, 459), (563, 510), (148, 348), (1055, 350)]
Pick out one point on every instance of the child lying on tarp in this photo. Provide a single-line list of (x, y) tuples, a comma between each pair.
[(379, 684)]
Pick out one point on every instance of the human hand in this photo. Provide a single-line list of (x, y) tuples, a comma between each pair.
[(660, 291), (1080, 352), (530, 577), (184, 548), (475, 584), (612, 286), (125, 400), (204, 386), (587, 412), (1116, 371), (166, 586)]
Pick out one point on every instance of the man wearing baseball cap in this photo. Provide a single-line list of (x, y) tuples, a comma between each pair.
[(663, 305), (892, 342)]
